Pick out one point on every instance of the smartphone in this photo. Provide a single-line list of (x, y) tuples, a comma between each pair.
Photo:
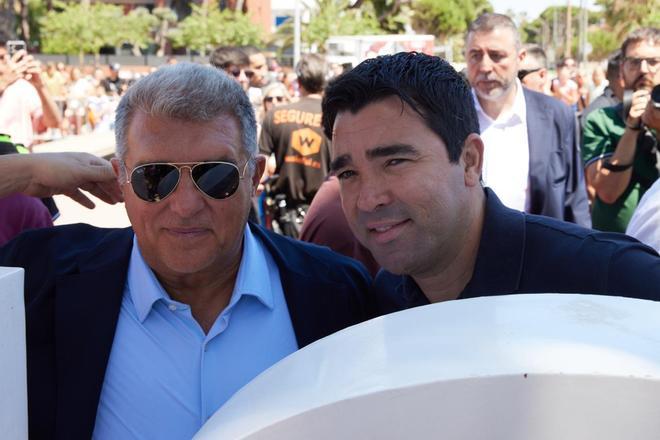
[(14, 46)]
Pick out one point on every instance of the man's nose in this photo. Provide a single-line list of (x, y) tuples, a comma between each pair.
[(644, 66), (187, 200), (372, 194), (486, 64)]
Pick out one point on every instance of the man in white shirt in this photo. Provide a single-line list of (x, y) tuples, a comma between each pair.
[(645, 222), (531, 157), (26, 107)]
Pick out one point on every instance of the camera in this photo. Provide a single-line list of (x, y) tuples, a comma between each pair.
[(14, 46), (627, 100), (655, 96)]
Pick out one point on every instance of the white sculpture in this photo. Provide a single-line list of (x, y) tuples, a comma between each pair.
[(13, 379), (508, 367)]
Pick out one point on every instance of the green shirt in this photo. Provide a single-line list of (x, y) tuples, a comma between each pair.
[(602, 131)]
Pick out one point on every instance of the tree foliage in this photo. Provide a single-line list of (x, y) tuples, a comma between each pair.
[(446, 18), (79, 28), (335, 17), (137, 29), (622, 16), (603, 43), (394, 16), (165, 18), (208, 27), (328, 18), (549, 30)]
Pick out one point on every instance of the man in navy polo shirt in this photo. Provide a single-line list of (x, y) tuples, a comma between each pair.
[(406, 150)]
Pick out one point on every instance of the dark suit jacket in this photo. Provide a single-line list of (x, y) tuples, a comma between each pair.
[(523, 253), (556, 174), (75, 277)]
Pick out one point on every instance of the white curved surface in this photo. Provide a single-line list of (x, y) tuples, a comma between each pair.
[(13, 374), (506, 367)]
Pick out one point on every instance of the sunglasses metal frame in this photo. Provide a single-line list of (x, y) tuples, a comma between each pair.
[(524, 72), (190, 166), (275, 98)]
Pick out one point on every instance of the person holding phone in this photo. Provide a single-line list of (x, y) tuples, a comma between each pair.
[(26, 107)]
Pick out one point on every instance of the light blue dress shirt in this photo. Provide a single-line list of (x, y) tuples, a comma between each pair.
[(165, 377)]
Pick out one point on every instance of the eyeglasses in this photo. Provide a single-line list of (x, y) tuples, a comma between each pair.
[(249, 73), (236, 72), (524, 72), (652, 62), (153, 182), (274, 98)]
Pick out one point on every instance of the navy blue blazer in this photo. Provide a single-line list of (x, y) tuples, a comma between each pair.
[(556, 174), (75, 277), (524, 253)]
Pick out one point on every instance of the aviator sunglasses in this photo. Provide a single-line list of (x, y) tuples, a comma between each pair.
[(152, 182)]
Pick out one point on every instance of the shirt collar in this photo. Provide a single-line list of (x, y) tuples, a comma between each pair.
[(498, 267), (499, 259), (143, 286), (517, 113), (253, 279)]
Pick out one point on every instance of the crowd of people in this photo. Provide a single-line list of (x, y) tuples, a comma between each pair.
[(444, 185)]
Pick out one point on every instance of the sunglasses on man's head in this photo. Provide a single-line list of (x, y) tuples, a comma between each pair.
[(152, 182), (274, 98), (524, 72)]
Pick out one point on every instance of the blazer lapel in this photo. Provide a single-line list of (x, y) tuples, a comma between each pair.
[(314, 306), (86, 311), (538, 135)]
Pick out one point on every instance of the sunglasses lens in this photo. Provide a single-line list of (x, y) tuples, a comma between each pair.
[(154, 182), (216, 180), (249, 73)]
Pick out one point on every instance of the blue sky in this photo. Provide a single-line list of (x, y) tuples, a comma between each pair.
[(533, 7)]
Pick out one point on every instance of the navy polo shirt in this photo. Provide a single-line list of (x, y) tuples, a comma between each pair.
[(524, 253)]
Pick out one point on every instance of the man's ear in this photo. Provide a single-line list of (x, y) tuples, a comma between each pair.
[(259, 168), (120, 173), (472, 159)]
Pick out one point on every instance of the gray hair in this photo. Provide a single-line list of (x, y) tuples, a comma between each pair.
[(490, 21), (189, 92)]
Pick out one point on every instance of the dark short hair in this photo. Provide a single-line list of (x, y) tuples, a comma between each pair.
[(311, 71), (489, 21), (428, 84), (538, 54), (564, 62), (250, 50), (224, 57), (613, 65), (642, 34)]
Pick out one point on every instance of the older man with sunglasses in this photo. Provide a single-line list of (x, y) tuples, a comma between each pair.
[(145, 332)]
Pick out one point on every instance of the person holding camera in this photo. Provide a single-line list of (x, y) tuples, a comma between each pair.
[(26, 107), (621, 142)]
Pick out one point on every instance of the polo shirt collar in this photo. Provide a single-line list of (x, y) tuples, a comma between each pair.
[(146, 290), (498, 267)]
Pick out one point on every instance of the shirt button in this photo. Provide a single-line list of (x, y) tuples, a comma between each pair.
[(172, 307)]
